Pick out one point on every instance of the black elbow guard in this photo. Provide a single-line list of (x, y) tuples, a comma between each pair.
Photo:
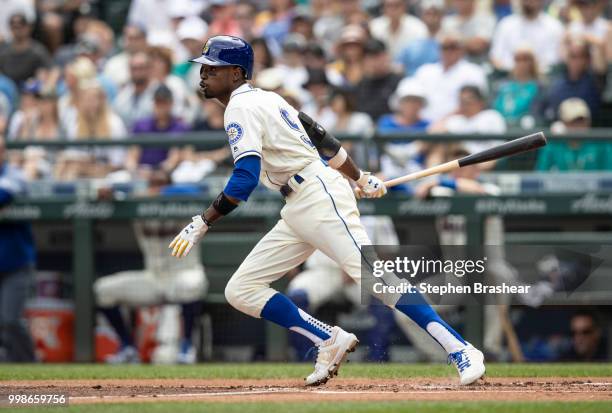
[(327, 145)]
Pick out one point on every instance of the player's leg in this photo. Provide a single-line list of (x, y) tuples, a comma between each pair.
[(134, 288), (317, 284), (187, 287), (342, 240), (249, 290)]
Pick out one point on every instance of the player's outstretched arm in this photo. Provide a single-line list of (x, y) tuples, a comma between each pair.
[(241, 184), (331, 150)]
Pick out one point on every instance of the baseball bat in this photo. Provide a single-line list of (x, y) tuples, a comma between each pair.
[(519, 145)]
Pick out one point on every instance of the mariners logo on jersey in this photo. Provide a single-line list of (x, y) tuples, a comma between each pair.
[(234, 132), (287, 118)]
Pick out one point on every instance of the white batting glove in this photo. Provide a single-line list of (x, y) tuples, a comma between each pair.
[(371, 186), (188, 237)]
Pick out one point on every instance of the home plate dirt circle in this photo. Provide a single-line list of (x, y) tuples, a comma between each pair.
[(284, 390)]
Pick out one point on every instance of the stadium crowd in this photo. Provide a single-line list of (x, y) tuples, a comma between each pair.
[(429, 66)]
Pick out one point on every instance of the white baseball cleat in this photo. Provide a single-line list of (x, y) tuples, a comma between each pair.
[(332, 353), (127, 355), (469, 362)]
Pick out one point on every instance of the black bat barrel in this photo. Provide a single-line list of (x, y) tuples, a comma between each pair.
[(519, 145)]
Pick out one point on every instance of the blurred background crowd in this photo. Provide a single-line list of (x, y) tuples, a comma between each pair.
[(69, 72), (118, 70)]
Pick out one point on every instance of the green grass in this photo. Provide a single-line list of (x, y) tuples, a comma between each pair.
[(286, 370), (349, 407)]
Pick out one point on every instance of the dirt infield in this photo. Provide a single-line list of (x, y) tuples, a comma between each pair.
[(283, 390)]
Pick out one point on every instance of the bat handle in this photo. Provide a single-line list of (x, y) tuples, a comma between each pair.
[(438, 169)]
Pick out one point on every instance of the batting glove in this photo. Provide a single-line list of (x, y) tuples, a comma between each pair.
[(371, 186), (188, 237)]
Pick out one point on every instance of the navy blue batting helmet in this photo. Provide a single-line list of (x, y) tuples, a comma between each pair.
[(227, 51)]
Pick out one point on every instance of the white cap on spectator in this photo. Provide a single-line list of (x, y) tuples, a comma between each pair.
[(352, 34), (192, 27), (432, 4), (180, 8), (269, 79), (572, 109), (408, 88)]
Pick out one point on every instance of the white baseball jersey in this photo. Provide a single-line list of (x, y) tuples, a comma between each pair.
[(262, 123)]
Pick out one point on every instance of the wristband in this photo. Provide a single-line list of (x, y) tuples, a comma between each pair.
[(363, 178), (207, 222), (223, 205), (338, 159)]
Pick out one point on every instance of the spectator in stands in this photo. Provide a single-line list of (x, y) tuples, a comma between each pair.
[(427, 49), (117, 67), (162, 121), (17, 260), (476, 27), (396, 28), (245, 16), (94, 120), (9, 90), (472, 117), (152, 16), (317, 106), (442, 81), (10, 8), (223, 18), (408, 101), (575, 155), (5, 113), (192, 34), (277, 23), (23, 56), (77, 71), (577, 80), (263, 58), (24, 119), (349, 121), (350, 52), (517, 97), (185, 104), (378, 83), (332, 18), (56, 18), (592, 25), (588, 342), (530, 27), (294, 72), (42, 122), (135, 99), (301, 23), (403, 156), (211, 116)]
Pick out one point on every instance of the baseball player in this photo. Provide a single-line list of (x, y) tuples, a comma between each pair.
[(292, 154), (160, 282)]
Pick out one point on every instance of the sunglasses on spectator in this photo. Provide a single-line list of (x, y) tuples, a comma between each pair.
[(394, 4), (450, 46), (523, 57), (583, 332), (17, 23), (577, 56)]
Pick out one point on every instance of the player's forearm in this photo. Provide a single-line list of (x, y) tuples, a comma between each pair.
[(241, 184), (350, 169)]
